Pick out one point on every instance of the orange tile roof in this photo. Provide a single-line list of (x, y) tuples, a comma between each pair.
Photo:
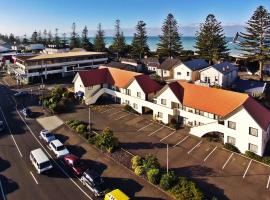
[(212, 100)]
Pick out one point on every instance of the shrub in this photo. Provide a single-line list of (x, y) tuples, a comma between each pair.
[(52, 107), (136, 161), (139, 170), (266, 160), (231, 147), (150, 162), (173, 124), (106, 140), (75, 123), (168, 180), (153, 176), (185, 189), (253, 155), (81, 128)]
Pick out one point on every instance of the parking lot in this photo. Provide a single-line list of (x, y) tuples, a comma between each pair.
[(214, 168)]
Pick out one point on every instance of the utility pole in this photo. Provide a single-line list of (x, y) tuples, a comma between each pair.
[(89, 119), (167, 158)]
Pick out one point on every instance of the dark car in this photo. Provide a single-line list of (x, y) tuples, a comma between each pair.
[(27, 112), (21, 93), (76, 164)]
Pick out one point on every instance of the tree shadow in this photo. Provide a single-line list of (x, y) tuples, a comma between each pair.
[(76, 150), (142, 145), (97, 166), (8, 185)]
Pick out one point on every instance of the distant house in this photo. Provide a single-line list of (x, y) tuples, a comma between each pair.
[(251, 87), (165, 70), (122, 66), (51, 49), (190, 70), (35, 47), (222, 74), (151, 63), (134, 62)]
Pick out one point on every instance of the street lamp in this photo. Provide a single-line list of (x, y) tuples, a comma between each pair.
[(89, 119), (167, 158)]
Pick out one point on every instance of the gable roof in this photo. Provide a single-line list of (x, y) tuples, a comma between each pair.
[(123, 66), (225, 67), (147, 84), (196, 64), (93, 77), (169, 63)]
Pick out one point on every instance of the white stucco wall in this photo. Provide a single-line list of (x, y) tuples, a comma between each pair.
[(180, 73), (166, 73)]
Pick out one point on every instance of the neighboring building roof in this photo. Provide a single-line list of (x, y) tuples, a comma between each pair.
[(196, 64), (130, 60), (78, 50), (122, 66), (225, 67), (64, 55), (35, 47), (93, 77), (147, 84), (169, 63), (146, 61), (249, 86)]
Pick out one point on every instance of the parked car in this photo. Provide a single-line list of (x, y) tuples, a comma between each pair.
[(94, 182), (75, 163), (40, 160), (27, 112), (116, 195), (21, 93), (2, 126), (58, 148), (47, 136)]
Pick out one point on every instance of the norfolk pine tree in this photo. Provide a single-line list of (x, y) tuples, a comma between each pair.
[(118, 45), (74, 39), (99, 41), (256, 40), (86, 44)]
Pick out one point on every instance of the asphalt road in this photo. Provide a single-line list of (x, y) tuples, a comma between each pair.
[(18, 179)]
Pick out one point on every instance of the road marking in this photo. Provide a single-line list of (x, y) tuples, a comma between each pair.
[(34, 177), (247, 169), (268, 182), (122, 116), (107, 110), (194, 147), (2, 191), (64, 172), (156, 131), (115, 113), (181, 141), (11, 133), (209, 154), (144, 127), (168, 136), (227, 161)]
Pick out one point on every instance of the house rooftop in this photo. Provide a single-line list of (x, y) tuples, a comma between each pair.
[(225, 67), (169, 63), (122, 66), (196, 64)]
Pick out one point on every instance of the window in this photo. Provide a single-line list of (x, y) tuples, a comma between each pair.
[(216, 78), (135, 106), (205, 79), (216, 116), (139, 95), (231, 125), (179, 73), (253, 148), (160, 115), (164, 72), (163, 101), (201, 113), (90, 87), (253, 131), (128, 92), (127, 102), (231, 140), (187, 73)]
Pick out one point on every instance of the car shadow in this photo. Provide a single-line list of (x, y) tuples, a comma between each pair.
[(8, 185), (76, 150), (142, 145), (97, 166), (4, 164), (62, 138)]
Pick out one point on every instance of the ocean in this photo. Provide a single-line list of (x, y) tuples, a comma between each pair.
[(187, 41)]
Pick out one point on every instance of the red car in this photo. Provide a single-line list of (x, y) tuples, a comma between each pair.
[(75, 163)]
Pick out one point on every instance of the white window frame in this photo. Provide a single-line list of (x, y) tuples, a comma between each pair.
[(139, 94), (160, 115), (252, 146), (163, 102), (232, 125), (230, 138), (253, 134)]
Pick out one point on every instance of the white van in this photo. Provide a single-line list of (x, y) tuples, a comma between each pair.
[(40, 160)]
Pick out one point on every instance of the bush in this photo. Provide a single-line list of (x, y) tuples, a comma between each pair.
[(173, 124), (231, 147), (106, 140), (153, 176), (266, 160), (74, 123), (168, 180), (136, 161), (150, 162), (185, 189), (52, 107), (81, 128), (253, 155), (139, 170)]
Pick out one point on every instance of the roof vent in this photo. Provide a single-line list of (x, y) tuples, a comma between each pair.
[(223, 69), (228, 67)]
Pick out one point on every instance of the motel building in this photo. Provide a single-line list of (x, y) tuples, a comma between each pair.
[(237, 117), (35, 67)]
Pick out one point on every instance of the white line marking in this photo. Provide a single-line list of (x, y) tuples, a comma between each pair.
[(107, 110), (34, 177), (268, 182), (227, 161), (155, 131), (194, 147), (64, 172), (168, 136), (144, 127), (114, 113), (247, 169), (122, 116), (209, 154), (181, 141), (2, 191), (11, 133)]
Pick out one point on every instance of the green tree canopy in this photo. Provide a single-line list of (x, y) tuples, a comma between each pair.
[(256, 39), (85, 43), (99, 41), (74, 38), (210, 40), (34, 37), (170, 44), (118, 45)]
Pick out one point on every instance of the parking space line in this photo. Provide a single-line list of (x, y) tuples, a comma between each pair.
[(107, 110), (115, 113), (34, 177), (209, 154), (144, 127), (122, 117), (247, 168), (156, 131), (268, 182), (194, 147), (2, 191), (181, 141), (227, 161), (167, 136)]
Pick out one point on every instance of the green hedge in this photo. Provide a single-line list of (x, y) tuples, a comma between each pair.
[(168, 180), (231, 147), (153, 175)]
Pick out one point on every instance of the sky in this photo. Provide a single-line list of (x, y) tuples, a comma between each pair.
[(24, 16)]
